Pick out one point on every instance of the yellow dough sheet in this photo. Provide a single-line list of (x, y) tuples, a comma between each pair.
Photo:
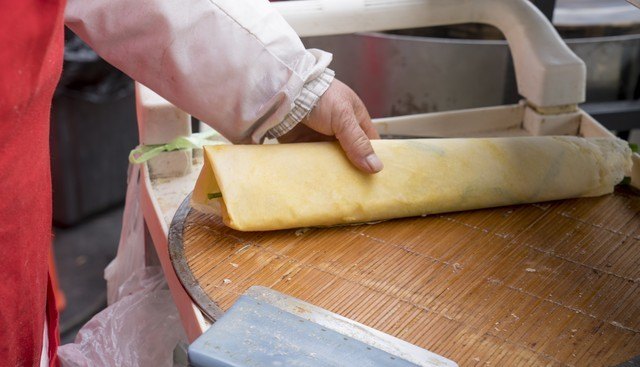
[(270, 187)]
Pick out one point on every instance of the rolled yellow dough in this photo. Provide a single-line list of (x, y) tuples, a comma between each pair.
[(269, 187)]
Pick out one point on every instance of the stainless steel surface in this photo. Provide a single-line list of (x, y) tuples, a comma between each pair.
[(617, 115), (613, 65), (399, 75), (595, 13), (402, 75)]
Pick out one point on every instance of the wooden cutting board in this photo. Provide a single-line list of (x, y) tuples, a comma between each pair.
[(546, 284)]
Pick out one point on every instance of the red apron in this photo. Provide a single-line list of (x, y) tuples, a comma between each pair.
[(31, 46)]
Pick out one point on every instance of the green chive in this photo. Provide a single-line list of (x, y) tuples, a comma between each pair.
[(214, 195), (634, 147), (626, 181)]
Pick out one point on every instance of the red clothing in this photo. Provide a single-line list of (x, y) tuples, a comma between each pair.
[(31, 46)]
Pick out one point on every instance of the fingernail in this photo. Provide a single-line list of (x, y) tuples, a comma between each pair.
[(374, 163)]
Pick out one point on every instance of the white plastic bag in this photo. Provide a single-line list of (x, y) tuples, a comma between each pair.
[(141, 326), (130, 256), (141, 329)]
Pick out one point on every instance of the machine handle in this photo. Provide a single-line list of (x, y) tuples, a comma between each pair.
[(548, 73)]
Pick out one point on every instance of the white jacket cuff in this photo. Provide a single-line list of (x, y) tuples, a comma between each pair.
[(306, 101)]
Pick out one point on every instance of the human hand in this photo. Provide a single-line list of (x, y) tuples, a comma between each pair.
[(340, 114)]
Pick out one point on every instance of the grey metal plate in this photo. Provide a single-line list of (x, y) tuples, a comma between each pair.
[(253, 333)]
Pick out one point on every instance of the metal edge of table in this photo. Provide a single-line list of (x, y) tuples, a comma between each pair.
[(181, 267)]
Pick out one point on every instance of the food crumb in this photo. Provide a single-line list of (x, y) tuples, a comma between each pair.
[(234, 265), (617, 324), (530, 270), (226, 281), (301, 231)]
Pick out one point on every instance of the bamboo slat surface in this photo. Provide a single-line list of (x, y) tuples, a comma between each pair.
[(546, 284)]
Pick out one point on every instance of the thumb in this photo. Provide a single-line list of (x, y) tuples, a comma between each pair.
[(357, 146)]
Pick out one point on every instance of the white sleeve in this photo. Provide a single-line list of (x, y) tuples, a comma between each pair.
[(234, 64)]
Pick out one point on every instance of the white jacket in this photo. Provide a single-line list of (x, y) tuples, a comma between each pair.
[(234, 64)]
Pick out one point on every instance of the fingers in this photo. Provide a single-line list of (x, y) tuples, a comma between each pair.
[(355, 142), (369, 129), (364, 120), (342, 114)]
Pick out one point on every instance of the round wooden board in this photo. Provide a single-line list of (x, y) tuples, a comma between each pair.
[(545, 284)]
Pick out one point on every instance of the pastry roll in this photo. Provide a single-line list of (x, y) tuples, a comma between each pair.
[(270, 187)]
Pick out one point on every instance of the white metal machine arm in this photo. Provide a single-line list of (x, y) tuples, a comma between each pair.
[(547, 71)]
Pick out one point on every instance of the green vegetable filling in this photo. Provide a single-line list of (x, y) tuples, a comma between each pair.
[(214, 195)]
